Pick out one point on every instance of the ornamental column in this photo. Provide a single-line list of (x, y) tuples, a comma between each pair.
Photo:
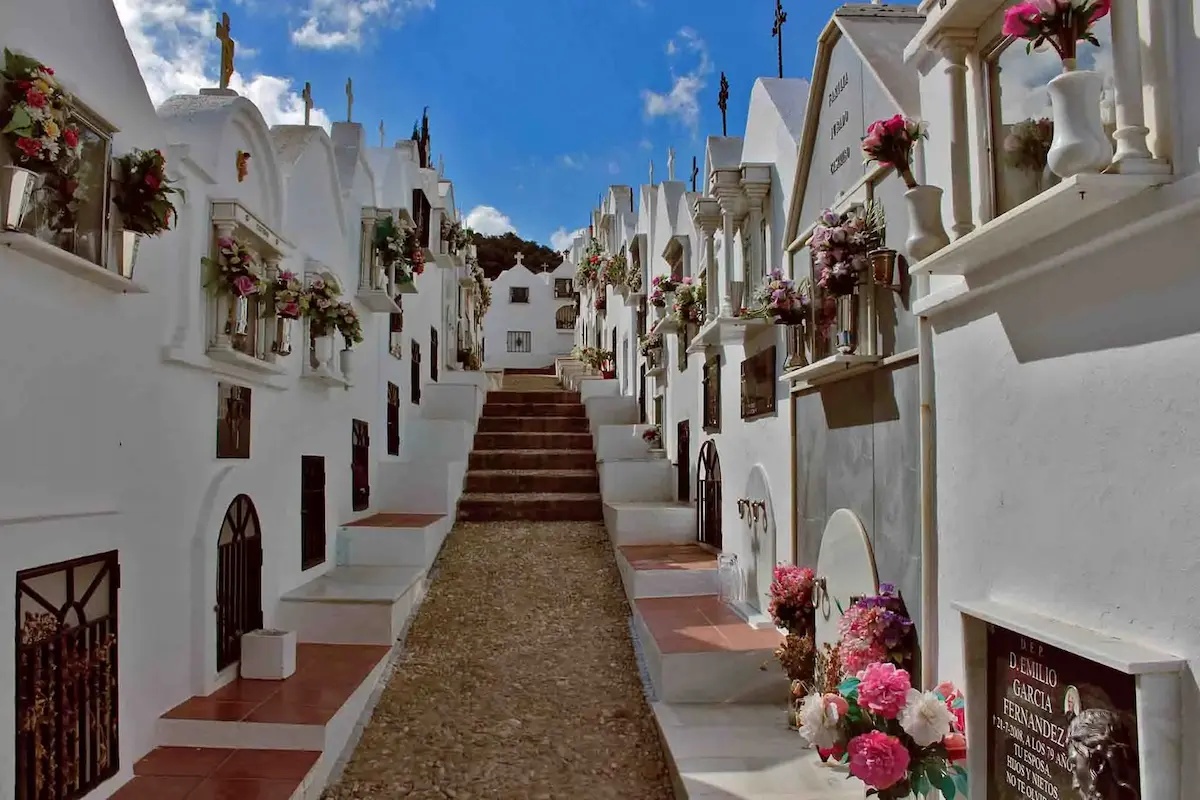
[(955, 48), (707, 214), (756, 183), (728, 189), (1133, 154)]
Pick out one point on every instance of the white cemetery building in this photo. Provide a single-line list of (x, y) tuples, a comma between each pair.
[(180, 467), (532, 319)]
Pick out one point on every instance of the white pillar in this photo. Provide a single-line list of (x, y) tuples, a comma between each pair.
[(727, 270), (1132, 153), (954, 49)]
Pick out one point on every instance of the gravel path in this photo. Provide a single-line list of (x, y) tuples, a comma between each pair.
[(518, 682)]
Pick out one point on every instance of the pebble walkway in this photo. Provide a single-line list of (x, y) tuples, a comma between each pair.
[(518, 680)]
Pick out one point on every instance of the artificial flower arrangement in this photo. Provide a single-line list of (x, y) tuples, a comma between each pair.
[(142, 192), (455, 235), (234, 271), (394, 245), (600, 303), (840, 243), (875, 628), (1060, 23), (614, 271), (1028, 144), (889, 142), (791, 608), (689, 301), (484, 287), (634, 280), (36, 115), (588, 271), (345, 320), (782, 300), (899, 741), (653, 436), (650, 342), (287, 292), (323, 293), (660, 287)]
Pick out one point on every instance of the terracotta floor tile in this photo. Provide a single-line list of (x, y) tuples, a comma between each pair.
[(246, 691), (291, 765), (744, 637), (396, 520), (670, 556), (198, 762), (249, 789), (206, 708), (317, 696), (279, 711), (157, 788)]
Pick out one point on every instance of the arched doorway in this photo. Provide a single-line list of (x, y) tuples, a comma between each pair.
[(708, 496), (239, 579)]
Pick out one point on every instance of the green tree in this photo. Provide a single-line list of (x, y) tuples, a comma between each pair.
[(498, 253)]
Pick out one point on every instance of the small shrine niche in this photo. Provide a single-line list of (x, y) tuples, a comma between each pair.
[(379, 282)]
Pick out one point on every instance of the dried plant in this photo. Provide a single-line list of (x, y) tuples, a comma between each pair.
[(798, 657)]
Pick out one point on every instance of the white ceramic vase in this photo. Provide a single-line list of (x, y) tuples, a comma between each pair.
[(1080, 144), (926, 234)]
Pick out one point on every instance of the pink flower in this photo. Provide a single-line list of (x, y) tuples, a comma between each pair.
[(877, 759), (883, 689), (30, 147), (287, 276), (289, 310), (225, 243), (1101, 9), (1021, 19), (35, 98), (244, 285)]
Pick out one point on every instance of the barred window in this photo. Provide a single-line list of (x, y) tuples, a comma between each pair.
[(520, 342)]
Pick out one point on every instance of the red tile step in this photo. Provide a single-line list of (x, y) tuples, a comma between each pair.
[(533, 441), (532, 396), (396, 520), (215, 773), (701, 624), (653, 557), (531, 459), (490, 507), (509, 481), (533, 425), (504, 409)]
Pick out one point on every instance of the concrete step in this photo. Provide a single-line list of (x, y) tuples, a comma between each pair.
[(533, 441), (393, 540), (533, 424), (646, 480), (699, 651), (580, 481), (212, 770), (487, 507), (353, 605), (505, 397), (451, 401), (591, 386), (620, 442), (650, 523), (420, 487), (674, 570), (610, 410), (532, 459), (492, 409)]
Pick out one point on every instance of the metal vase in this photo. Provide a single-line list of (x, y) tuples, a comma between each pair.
[(282, 345), (847, 323), (17, 186), (128, 243), (346, 362), (883, 269), (795, 342), (737, 293), (238, 323)]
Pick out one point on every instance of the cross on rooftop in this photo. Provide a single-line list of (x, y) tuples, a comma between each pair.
[(777, 31), (306, 95), (520, 259), (381, 134), (723, 102), (349, 100)]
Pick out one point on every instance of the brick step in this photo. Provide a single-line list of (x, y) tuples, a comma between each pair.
[(534, 410), (541, 507), (580, 481), (531, 459), (532, 396), (532, 424), (533, 441)]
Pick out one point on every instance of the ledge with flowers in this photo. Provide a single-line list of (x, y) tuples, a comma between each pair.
[(776, 301), (397, 258), (50, 177), (651, 348)]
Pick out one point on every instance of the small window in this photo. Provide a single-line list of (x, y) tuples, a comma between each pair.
[(233, 421), (564, 288), (520, 342), (312, 511), (396, 329), (712, 394), (518, 294), (564, 318), (434, 354), (393, 419), (758, 384), (415, 375), (360, 465)]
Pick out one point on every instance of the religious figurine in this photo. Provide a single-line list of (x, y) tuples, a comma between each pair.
[(349, 99), (227, 49), (243, 165), (1103, 761), (670, 163)]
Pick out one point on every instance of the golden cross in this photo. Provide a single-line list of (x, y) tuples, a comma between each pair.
[(227, 50), (306, 95), (349, 99)]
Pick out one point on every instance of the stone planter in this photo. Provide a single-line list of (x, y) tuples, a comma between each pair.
[(17, 186), (268, 655), (1080, 143), (926, 234)]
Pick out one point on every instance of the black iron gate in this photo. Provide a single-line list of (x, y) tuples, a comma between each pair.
[(312, 511), (708, 496), (683, 461), (239, 579), (434, 354), (360, 465), (642, 394), (66, 678)]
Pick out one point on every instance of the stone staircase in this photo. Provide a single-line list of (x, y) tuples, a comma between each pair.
[(532, 457)]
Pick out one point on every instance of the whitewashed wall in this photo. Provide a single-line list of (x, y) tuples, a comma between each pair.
[(536, 317)]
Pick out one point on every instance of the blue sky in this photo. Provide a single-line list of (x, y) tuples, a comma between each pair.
[(536, 105)]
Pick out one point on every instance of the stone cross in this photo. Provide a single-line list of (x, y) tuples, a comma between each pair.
[(723, 102), (349, 100), (381, 134), (228, 45), (306, 96), (670, 163), (695, 172), (441, 166), (520, 259), (777, 31), (652, 172)]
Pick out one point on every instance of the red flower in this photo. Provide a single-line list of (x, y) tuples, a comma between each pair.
[(32, 148), (35, 98), (152, 180), (71, 137), (23, 85), (45, 69)]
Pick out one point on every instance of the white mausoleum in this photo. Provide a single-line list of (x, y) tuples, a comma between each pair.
[(532, 319)]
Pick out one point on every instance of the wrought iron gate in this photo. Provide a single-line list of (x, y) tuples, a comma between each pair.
[(433, 352), (708, 496), (683, 461), (360, 465), (312, 511), (239, 579)]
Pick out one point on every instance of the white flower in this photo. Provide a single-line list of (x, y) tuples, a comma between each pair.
[(925, 718), (819, 722)]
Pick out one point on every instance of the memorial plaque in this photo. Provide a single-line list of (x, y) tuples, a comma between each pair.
[(1060, 727)]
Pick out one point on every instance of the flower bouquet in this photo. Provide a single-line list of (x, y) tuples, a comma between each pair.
[(889, 142), (345, 320), (142, 192), (234, 272), (840, 243), (899, 741), (36, 116), (288, 297), (614, 272), (1028, 143), (791, 596), (634, 280), (649, 343), (873, 629), (588, 271), (688, 307), (323, 293), (782, 300), (396, 246), (1060, 23), (653, 437)]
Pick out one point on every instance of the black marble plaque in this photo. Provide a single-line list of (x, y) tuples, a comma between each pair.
[(1060, 727)]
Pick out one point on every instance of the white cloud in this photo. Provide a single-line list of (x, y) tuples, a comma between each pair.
[(561, 239), (681, 100), (646, 144), (330, 24), (489, 221), (176, 53), (571, 162), (614, 167)]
